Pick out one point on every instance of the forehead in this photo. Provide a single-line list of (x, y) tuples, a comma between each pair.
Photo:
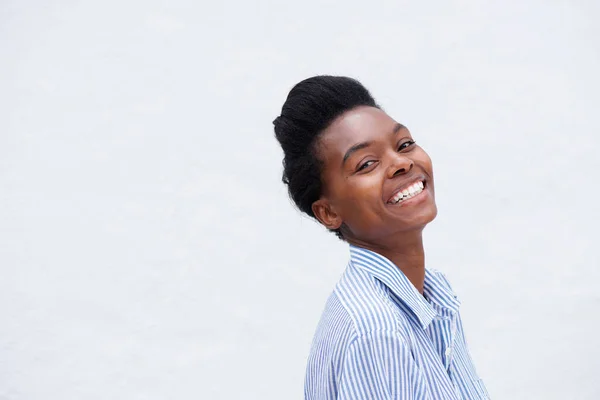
[(359, 125)]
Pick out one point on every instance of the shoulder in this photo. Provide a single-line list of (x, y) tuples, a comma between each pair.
[(333, 337), (348, 327), (358, 306), (336, 324)]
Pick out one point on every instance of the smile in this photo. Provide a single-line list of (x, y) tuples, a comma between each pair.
[(404, 194)]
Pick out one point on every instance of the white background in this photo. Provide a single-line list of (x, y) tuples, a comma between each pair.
[(148, 249)]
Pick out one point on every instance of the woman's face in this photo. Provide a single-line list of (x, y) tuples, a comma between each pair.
[(369, 160)]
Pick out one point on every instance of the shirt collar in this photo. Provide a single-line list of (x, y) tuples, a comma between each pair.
[(389, 274), (438, 291)]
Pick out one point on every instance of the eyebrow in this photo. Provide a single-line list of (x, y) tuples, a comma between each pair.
[(363, 145)]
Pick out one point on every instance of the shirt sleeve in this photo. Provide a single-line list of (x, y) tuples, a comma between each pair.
[(380, 366)]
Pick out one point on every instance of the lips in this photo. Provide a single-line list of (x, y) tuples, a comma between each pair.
[(407, 190)]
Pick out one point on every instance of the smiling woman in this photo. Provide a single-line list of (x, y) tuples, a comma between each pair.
[(391, 329)]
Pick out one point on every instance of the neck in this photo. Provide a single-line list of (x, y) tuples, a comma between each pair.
[(406, 252)]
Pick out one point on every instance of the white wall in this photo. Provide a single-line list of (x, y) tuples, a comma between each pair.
[(147, 246)]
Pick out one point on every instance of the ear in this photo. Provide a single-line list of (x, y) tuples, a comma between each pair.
[(326, 215)]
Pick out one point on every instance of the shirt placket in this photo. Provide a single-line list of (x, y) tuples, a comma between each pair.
[(450, 343)]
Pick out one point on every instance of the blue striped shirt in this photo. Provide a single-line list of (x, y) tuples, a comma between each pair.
[(379, 338)]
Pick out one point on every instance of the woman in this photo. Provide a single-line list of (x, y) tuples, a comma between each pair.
[(391, 328)]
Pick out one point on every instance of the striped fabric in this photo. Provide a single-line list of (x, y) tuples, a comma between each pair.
[(379, 338)]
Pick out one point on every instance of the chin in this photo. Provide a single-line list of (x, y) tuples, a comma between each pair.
[(433, 212), (421, 220), (430, 214)]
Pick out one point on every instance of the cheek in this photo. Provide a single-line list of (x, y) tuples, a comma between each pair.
[(360, 194), (423, 159)]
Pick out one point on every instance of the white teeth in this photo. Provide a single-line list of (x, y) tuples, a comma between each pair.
[(411, 191)]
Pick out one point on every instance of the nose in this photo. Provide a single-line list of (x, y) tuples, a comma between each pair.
[(399, 165)]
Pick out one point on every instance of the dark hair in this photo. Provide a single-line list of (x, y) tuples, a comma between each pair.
[(310, 107)]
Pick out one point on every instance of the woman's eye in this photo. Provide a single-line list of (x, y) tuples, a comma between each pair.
[(365, 165), (406, 144)]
